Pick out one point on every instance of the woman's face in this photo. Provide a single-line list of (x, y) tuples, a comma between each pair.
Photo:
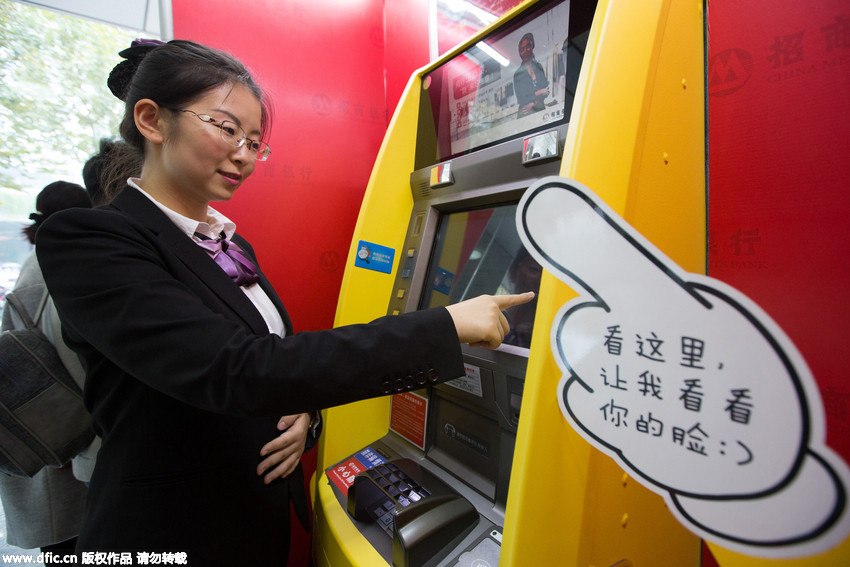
[(200, 165), (526, 50)]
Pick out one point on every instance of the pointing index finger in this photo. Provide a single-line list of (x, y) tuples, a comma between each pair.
[(505, 301)]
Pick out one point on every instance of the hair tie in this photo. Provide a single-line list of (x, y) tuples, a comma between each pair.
[(122, 74), (140, 47), (36, 217)]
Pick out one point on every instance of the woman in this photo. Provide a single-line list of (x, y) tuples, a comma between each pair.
[(530, 82), (190, 365)]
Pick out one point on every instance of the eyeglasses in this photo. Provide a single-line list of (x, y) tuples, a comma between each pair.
[(234, 135)]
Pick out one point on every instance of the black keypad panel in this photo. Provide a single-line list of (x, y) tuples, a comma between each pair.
[(399, 489), (409, 524), (378, 492)]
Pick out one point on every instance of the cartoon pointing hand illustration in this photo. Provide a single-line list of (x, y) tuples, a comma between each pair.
[(686, 382)]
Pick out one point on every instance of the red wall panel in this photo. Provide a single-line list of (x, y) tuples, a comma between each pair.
[(406, 42), (778, 83)]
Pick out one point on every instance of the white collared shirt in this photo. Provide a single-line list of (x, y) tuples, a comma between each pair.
[(216, 224)]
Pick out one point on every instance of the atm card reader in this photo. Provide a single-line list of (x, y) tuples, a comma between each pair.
[(424, 517)]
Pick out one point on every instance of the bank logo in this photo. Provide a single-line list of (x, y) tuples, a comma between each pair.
[(729, 71), (322, 104), (329, 261)]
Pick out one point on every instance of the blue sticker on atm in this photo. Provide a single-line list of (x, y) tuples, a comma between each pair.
[(374, 257), (369, 458)]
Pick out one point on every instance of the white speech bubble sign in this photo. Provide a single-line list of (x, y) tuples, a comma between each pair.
[(686, 383)]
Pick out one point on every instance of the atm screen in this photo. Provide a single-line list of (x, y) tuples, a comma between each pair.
[(479, 252), (519, 79)]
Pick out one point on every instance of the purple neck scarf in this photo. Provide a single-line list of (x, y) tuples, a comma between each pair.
[(231, 259)]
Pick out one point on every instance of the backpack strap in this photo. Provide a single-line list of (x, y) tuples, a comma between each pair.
[(41, 305), (22, 312)]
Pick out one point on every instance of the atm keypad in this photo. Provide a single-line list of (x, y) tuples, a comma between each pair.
[(390, 500), (378, 492), (394, 488)]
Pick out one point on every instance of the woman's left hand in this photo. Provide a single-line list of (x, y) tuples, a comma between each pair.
[(283, 454)]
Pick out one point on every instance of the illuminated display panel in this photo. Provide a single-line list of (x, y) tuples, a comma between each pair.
[(479, 252), (518, 80)]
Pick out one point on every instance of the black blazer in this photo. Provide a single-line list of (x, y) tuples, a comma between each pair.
[(186, 384)]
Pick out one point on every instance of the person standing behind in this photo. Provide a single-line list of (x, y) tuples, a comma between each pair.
[(95, 177), (105, 172), (45, 511)]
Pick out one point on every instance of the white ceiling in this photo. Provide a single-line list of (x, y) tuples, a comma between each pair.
[(153, 17)]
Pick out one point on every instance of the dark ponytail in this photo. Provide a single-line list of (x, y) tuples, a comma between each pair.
[(55, 197)]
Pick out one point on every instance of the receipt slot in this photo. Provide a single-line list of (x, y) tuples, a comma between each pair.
[(483, 469)]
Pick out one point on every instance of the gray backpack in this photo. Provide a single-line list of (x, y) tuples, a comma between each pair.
[(42, 418)]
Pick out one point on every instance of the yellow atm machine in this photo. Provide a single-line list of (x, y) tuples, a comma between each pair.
[(484, 470)]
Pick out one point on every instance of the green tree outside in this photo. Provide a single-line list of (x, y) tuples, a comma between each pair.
[(54, 103)]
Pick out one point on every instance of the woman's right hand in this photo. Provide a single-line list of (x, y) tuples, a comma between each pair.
[(480, 321)]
